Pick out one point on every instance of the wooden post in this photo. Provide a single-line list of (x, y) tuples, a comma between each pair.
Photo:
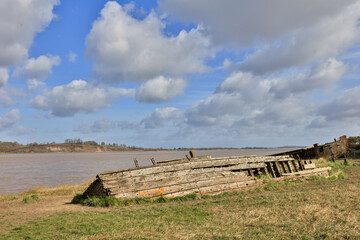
[(192, 154), (277, 169), (283, 166), (266, 171), (271, 169), (294, 164), (136, 162), (289, 166), (153, 161)]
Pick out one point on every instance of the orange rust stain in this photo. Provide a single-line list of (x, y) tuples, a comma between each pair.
[(160, 191), (142, 193)]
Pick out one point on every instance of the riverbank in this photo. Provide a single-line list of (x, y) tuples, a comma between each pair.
[(316, 209), (93, 147)]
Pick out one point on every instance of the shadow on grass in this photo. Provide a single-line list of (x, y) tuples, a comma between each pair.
[(111, 201)]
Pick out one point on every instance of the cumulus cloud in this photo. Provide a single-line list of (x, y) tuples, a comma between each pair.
[(20, 21), (160, 89), (99, 126), (163, 116), (102, 125), (246, 99), (243, 23), (9, 119), (344, 107), (124, 48), (125, 125), (4, 76), (321, 76), (78, 96), (284, 33), (9, 96), (327, 38), (236, 82), (36, 69)]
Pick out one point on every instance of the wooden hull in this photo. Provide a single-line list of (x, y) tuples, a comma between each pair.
[(338, 148), (202, 175)]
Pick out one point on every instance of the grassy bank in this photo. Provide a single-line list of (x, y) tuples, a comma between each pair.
[(315, 209)]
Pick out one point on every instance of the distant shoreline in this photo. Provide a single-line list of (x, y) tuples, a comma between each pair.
[(88, 148)]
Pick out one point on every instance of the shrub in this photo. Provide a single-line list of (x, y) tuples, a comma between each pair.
[(30, 198)]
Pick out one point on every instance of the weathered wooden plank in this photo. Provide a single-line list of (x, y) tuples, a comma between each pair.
[(282, 164), (175, 187), (152, 169), (311, 172), (182, 167), (155, 192), (294, 164), (165, 174), (289, 166), (309, 166), (140, 186)]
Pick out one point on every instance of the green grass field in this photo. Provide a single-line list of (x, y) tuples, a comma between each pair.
[(314, 209)]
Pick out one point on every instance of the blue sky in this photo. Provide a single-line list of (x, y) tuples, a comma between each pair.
[(171, 73)]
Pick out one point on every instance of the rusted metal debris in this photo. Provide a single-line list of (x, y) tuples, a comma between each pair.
[(338, 148), (202, 175)]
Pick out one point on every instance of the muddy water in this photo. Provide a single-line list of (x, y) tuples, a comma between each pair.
[(22, 172)]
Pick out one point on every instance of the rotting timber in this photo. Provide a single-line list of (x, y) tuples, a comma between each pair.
[(338, 148), (202, 175)]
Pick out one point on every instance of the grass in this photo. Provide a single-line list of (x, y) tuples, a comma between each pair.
[(30, 198), (56, 191), (112, 202), (313, 209)]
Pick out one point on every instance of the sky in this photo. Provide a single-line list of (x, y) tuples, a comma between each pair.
[(180, 73)]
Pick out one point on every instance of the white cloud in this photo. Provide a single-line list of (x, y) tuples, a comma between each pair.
[(236, 82), (34, 83), (8, 96), (99, 126), (72, 57), (78, 96), (126, 125), (9, 119), (20, 20), (160, 89), (38, 68), (102, 125), (4, 76), (243, 23), (321, 76), (124, 48), (245, 99), (327, 38), (283, 33), (345, 107), (163, 116)]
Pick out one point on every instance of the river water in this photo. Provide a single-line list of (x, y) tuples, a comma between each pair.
[(22, 172)]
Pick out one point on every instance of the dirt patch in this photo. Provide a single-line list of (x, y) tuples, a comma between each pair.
[(15, 212)]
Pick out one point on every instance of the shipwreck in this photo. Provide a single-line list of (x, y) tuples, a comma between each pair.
[(337, 148), (203, 175)]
